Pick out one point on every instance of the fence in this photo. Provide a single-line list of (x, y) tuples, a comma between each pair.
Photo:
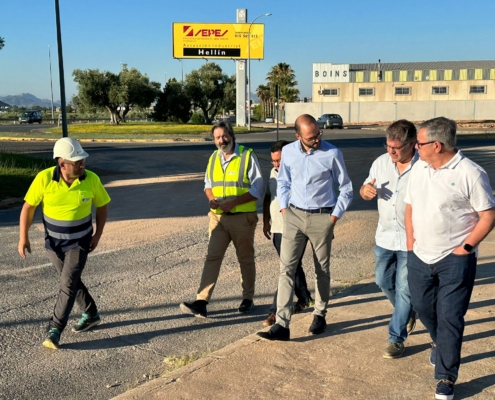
[(366, 112)]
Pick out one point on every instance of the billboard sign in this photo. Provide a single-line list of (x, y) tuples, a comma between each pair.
[(205, 40), (328, 72)]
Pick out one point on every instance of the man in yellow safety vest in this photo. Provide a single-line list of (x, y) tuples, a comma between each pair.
[(233, 183), (67, 192)]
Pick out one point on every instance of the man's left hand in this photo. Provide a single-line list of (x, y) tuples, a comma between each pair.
[(227, 205), (460, 251), (334, 219), (94, 242)]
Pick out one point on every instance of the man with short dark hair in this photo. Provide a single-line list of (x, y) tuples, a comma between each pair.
[(273, 225), (67, 192), (387, 181), (450, 210), (309, 170), (233, 183)]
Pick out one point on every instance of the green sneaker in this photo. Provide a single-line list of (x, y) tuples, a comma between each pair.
[(52, 342), (86, 323)]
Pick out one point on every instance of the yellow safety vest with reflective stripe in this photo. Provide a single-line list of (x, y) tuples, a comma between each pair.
[(233, 182)]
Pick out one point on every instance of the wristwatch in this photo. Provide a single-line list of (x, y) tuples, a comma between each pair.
[(468, 247)]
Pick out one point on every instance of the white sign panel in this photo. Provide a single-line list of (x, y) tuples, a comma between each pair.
[(328, 72)]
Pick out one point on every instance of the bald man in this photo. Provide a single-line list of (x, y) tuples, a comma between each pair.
[(309, 170)]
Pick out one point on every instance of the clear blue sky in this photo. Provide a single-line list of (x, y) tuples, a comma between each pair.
[(104, 34)]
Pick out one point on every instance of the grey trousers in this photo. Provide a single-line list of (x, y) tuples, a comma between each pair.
[(300, 226), (70, 265)]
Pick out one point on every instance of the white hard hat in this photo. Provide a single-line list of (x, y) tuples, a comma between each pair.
[(69, 149)]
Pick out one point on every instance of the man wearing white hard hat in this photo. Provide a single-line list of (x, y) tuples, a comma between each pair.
[(67, 192)]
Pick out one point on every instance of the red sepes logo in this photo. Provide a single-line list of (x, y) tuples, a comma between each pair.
[(203, 32)]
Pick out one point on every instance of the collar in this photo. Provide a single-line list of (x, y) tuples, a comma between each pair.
[(311, 151), (452, 163), (56, 175)]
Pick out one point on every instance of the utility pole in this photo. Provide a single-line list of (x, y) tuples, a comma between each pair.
[(63, 109)]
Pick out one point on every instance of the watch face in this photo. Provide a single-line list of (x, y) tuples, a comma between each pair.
[(468, 247)]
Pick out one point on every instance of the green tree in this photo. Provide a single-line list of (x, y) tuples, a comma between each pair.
[(205, 87), (136, 90), (113, 92), (2, 43), (173, 105), (229, 99), (265, 96), (98, 90), (283, 75)]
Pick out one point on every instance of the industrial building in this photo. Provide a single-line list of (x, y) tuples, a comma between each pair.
[(462, 90)]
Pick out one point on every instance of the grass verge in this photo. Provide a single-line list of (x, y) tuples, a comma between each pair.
[(17, 172), (129, 130), (173, 362)]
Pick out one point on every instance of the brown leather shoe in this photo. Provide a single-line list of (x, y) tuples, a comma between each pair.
[(270, 320)]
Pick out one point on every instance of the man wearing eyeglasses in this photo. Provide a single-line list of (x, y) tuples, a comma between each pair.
[(67, 192), (233, 183), (387, 182), (309, 170), (273, 228), (450, 210)]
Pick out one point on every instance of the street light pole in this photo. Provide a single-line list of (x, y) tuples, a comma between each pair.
[(63, 109), (51, 84), (249, 67)]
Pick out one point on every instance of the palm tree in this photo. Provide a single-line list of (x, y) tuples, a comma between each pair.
[(283, 75), (263, 93)]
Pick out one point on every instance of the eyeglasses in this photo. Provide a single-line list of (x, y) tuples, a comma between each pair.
[(276, 161), (420, 145), (387, 147), (313, 139)]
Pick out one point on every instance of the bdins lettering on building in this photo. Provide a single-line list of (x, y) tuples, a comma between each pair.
[(328, 72)]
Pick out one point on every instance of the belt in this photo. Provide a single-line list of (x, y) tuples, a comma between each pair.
[(323, 210)]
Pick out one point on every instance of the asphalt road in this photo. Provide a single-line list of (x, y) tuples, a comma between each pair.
[(149, 260)]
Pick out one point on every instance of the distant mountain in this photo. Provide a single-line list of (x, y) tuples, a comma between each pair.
[(28, 100), (2, 104), (255, 98)]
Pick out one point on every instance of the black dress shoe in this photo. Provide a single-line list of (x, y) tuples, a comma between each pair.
[(196, 308), (276, 332), (318, 326), (246, 306)]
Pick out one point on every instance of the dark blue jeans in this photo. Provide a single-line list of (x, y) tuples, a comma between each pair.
[(300, 285), (440, 294)]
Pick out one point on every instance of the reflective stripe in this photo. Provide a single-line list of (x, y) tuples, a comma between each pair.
[(69, 236), (231, 184), (242, 168), (67, 223)]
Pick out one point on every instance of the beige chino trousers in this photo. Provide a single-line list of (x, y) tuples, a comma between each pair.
[(238, 229)]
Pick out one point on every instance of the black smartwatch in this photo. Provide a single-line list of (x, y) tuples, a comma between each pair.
[(468, 247)]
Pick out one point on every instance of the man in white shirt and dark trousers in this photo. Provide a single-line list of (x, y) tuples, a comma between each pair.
[(387, 182), (450, 210), (272, 225), (309, 170)]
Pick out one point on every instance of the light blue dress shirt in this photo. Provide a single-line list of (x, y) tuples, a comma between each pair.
[(307, 180), (254, 173)]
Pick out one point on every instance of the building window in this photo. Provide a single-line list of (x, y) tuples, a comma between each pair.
[(402, 91), (477, 89), (330, 92), (366, 91), (440, 90)]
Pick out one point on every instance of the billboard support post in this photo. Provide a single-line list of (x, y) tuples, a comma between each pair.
[(240, 81)]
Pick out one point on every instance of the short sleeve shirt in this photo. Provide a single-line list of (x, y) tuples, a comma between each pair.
[(391, 189), (445, 204)]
